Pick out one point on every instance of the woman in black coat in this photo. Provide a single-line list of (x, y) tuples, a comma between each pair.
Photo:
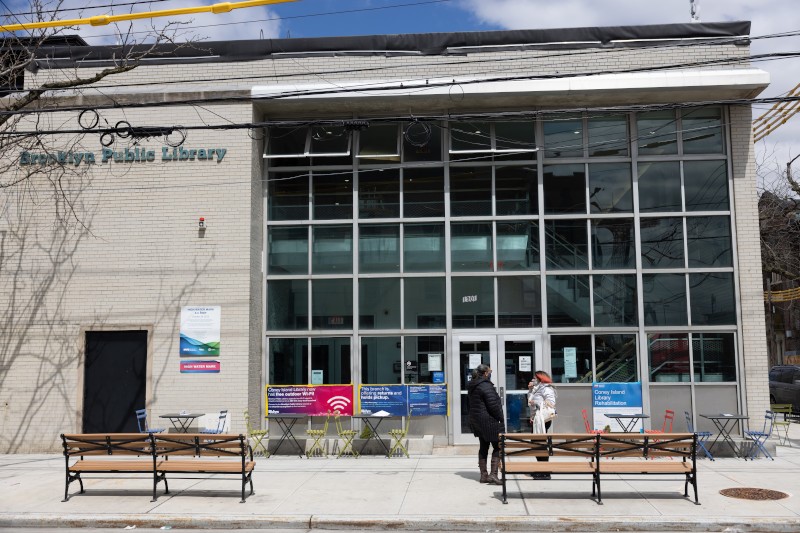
[(486, 420)]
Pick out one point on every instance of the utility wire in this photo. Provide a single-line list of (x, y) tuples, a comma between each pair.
[(420, 65), (403, 85), (421, 118)]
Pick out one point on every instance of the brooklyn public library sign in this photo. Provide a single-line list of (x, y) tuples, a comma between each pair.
[(168, 154)]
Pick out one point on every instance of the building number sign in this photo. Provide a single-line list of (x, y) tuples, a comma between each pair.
[(469, 298)]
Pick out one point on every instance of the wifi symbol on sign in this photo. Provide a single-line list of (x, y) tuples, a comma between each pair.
[(338, 403)]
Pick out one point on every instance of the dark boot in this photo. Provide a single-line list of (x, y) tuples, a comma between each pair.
[(493, 479), (484, 472)]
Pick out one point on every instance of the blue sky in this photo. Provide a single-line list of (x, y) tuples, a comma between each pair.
[(315, 18)]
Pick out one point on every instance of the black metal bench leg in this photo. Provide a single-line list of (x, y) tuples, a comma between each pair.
[(686, 487), (244, 485), (250, 478), (599, 497)]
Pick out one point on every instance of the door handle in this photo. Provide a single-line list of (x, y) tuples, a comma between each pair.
[(503, 394)]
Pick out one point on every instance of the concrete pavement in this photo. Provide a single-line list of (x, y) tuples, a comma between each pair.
[(426, 492)]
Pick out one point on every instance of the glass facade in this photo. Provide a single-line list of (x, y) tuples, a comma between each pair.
[(608, 236)]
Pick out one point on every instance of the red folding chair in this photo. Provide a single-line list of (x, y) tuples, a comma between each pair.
[(589, 426), (666, 427)]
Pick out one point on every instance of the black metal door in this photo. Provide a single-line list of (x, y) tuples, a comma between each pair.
[(114, 380)]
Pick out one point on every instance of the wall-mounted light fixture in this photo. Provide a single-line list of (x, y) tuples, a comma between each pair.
[(201, 225)]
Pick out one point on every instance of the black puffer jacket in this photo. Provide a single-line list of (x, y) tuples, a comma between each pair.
[(485, 410)]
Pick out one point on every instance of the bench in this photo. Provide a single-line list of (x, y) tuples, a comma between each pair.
[(149, 453), (600, 455)]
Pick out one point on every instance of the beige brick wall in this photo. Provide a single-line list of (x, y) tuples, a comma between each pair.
[(754, 339), (138, 260)]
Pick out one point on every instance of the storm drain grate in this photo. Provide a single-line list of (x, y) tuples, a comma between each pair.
[(748, 493)]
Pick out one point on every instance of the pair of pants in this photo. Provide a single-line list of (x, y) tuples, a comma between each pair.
[(483, 451), (546, 429)]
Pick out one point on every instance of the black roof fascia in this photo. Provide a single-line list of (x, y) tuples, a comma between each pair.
[(419, 43)]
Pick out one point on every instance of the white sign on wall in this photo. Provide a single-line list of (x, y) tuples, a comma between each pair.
[(200, 330)]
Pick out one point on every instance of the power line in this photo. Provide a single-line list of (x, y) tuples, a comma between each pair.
[(404, 85), (427, 64), (601, 111)]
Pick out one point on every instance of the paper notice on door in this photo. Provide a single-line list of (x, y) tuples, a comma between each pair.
[(524, 363), (474, 360), (570, 362), (435, 362)]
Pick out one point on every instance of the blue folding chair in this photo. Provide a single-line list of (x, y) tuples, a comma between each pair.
[(702, 436), (141, 421), (760, 437), (220, 425)]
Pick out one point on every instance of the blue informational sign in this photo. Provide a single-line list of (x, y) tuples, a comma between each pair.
[(616, 398), (438, 376), (390, 398), (424, 400), (399, 400)]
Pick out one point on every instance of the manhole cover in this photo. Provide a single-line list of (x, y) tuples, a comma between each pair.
[(747, 493)]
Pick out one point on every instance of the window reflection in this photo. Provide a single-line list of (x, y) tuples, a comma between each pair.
[(332, 303), (668, 355), (564, 189), (613, 243), (333, 250), (662, 242), (563, 136), (423, 248), (287, 302), (709, 241), (470, 191), (516, 191), (571, 358), (379, 194), (615, 300), (659, 186), (568, 301), (664, 298), (425, 302), (608, 136), (288, 250), (473, 302), (288, 361), (712, 298), (714, 357), (706, 184), (288, 196), (610, 188), (615, 358), (517, 246), (380, 360), (429, 355), (656, 133), (423, 192), (333, 195), (519, 302), (379, 248), (331, 358), (471, 247), (566, 246), (379, 303), (702, 131)]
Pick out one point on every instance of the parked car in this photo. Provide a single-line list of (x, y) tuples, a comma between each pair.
[(784, 385)]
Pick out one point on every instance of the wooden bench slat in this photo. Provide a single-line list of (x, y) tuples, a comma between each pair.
[(203, 467), (553, 467), (112, 466)]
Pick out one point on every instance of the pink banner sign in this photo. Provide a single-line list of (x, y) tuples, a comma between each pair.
[(311, 400), (199, 367)]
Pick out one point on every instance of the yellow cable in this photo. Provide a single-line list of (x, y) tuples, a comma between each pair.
[(102, 20)]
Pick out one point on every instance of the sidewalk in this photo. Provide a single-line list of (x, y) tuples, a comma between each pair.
[(430, 492)]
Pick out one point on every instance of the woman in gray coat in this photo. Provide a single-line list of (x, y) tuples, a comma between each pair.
[(486, 420)]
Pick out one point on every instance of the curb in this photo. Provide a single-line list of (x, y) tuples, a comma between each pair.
[(407, 523)]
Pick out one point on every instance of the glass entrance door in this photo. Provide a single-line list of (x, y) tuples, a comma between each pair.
[(513, 359)]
